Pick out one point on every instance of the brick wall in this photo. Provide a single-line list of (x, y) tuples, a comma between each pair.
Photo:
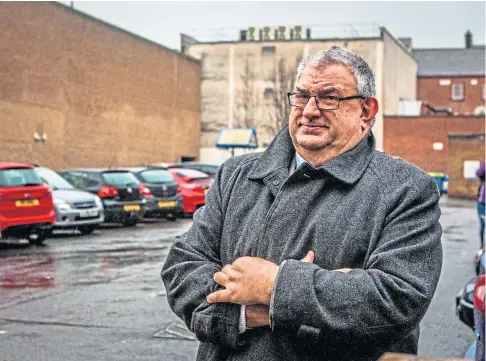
[(102, 96), (430, 90), (413, 138), (463, 148)]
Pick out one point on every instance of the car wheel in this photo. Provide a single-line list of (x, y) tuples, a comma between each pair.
[(130, 222), (85, 230), (37, 237), (171, 218)]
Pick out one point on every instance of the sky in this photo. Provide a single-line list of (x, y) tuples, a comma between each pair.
[(431, 24)]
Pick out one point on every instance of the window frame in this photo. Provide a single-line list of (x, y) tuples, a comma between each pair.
[(453, 97)]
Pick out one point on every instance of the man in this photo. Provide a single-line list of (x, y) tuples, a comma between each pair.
[(319, 248)]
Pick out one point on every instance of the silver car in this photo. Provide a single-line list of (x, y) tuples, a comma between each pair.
[(75, 209)]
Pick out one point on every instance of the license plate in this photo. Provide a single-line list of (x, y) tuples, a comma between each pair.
[(27, 203), (167, 204), (89, 213), (131, 207)]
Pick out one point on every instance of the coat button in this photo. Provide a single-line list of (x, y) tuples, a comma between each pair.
[(276, 183)]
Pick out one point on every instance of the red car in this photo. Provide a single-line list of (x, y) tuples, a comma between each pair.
[(26, 208), (193, 185)]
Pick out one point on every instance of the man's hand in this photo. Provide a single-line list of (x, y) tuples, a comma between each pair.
[(259, 315), (248, 281)]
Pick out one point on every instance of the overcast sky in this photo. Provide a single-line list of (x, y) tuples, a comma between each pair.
[(429, 24)]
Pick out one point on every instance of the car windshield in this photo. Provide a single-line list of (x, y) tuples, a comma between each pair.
[(53, 179), (18, 177), (156, 176), (119, 178)]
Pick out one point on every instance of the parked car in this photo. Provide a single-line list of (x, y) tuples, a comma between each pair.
[(208, 168), (470, 309), (26, 208), (119, 190), (194, 186), (75, 209), (164, 198)]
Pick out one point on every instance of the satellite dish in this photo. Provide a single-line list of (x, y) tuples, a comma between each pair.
[(480, 110)]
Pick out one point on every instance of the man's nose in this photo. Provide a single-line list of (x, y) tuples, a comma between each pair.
[(311, 110)]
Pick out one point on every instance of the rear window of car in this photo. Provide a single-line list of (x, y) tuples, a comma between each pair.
[(156, 176), (194, 174), (119, 178), (18, 177), (205, 168)]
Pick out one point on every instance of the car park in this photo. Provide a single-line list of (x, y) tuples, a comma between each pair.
[(26, 206), (194, 186), (120, 191), (75, 209), (164, 197)]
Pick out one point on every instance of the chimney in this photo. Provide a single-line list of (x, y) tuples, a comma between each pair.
[(468, 37)]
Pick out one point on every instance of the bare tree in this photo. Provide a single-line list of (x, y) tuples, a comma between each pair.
[(283, 81), (247, 100)]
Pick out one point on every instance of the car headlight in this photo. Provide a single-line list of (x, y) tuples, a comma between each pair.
[(99, 202), (62, 205)]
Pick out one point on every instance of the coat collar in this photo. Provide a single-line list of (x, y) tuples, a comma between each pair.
[(347, 167)]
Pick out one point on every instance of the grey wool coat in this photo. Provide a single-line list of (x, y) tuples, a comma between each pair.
[(362, 210)]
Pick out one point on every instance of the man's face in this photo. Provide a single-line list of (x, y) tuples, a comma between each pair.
[(315, 130)]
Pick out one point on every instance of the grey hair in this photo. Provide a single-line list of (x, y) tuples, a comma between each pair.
[(364, 76)]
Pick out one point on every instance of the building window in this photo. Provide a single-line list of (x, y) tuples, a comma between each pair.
[(269, 49), (483, 92), (457, 92), (268, 92)]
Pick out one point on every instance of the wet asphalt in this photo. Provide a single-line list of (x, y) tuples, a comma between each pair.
[(100, 297)]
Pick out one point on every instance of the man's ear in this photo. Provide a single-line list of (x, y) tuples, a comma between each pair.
[(369, 110)]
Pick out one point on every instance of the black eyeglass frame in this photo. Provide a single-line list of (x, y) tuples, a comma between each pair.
[(339, 99)]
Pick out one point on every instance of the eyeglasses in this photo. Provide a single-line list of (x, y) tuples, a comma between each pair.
[(323, 102)]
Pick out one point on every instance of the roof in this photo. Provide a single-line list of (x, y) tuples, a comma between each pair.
[(450, 62), (95, 170), (179, 165), (8, 165), (189, 172), (141, 169)]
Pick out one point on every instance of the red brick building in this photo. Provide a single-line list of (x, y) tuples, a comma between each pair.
[(452, 79), (77, 92), (463, 149), (450, 87), (423, 140)]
